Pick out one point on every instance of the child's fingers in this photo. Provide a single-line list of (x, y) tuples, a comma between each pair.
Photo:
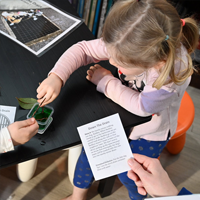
[(41, 94), (33, 130), (30, 121), (88, 78), (39, 88), (53, 97), (97, 66), (25, 123), (92, 68), (47, 97), (90, 72)]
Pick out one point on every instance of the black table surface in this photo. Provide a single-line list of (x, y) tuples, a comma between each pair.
[(78, 103)]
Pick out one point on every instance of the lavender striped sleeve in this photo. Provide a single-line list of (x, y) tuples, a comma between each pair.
[(156, 101)]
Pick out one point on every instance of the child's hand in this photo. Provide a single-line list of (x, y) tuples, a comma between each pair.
[(49, 89), (22, 131), (150, 177), (96, 73)]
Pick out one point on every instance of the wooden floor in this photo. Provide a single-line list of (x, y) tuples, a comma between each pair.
[(51, 182)]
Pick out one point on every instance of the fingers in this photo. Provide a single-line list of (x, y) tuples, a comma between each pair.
[(47, 98), (140, 158), (135, 178), (151, 165), (25, 123), (23, 131), (49, 89), (91, 70), (132, 175), (97, 66), (41, 93), (90, 73), (142, 191), (40, 88), (31, 125), (138, 182), (33, 129), (137, 167), (88, 78), (30, 121)]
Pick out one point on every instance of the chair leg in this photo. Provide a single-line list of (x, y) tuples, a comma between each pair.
[(106, 186), (26, 170), (73, 156), (175, 146)]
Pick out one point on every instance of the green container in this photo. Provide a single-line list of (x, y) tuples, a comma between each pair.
[(43, 116)]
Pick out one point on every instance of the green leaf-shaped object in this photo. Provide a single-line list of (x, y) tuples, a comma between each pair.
[(26, 103)]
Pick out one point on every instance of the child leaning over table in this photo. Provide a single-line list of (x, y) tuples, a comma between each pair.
[(149, 45)]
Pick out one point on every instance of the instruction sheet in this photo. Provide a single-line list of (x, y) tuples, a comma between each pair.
[(7, 115), (106, 146)]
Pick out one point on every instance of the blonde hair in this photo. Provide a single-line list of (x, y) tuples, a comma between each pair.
[(146, 32)]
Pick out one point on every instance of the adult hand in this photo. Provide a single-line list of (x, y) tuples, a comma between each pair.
[(49, 89), (150, 177), (96, 73), (22, 131)]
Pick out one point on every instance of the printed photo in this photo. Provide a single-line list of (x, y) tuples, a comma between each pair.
[(35, 24)]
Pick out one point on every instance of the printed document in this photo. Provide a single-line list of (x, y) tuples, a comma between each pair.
[(106, 146), (7, 115)]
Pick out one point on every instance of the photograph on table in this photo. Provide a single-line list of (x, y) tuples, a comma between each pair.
[(35, 24)]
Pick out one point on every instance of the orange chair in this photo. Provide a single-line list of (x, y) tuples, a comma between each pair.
[(185, 119)]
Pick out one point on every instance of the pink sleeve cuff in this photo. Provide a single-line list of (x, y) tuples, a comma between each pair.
[(101, 87), (5, 141)]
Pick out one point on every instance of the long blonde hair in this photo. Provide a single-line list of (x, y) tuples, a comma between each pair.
[(146, 32)]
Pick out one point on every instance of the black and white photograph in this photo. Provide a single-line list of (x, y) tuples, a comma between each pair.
[(34, 24)]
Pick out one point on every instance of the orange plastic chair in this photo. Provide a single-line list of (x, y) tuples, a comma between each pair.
[(185, 119)]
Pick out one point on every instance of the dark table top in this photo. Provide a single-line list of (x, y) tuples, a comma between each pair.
[(78, 103)]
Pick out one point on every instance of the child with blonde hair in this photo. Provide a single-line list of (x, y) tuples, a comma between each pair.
[(150, 46)]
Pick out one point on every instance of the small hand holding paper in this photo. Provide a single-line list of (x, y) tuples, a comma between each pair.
[(150, 177)]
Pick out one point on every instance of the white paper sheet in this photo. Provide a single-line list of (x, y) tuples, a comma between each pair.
[(106, 146), (7, 115), (184, 197)]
